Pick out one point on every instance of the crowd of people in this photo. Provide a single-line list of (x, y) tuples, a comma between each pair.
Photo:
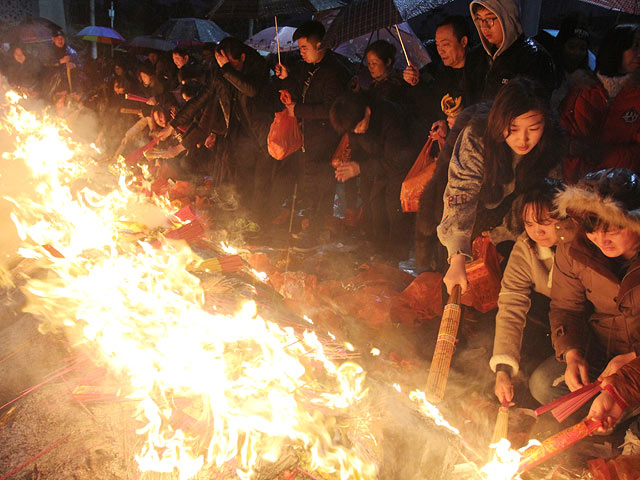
[(538, 149)]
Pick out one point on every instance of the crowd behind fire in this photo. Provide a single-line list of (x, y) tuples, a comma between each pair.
[(533, 146)]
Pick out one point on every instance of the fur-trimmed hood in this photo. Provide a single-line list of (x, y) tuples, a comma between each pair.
[(575, 200)]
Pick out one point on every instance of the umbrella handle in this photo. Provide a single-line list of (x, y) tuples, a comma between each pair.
[(402, 44), (277, 38)]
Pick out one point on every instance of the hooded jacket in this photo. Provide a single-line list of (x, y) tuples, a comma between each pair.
[(603, 124), (594, 297), (516, 55)]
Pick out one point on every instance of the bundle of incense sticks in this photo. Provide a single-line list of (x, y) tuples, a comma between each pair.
[(441, 363), (563, 407), (557, 443), (226, 264), (135, 98), (136, 155), (502, 423), (134, 111), (187, 212), (188, 231)]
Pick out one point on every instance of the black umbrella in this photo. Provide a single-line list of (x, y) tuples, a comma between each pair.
[(146, 42), (269, 8), (32, 30), (628, 6), (365, 16), (190, 31)]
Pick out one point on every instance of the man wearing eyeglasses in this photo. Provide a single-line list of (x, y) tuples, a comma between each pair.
[(509, 52)]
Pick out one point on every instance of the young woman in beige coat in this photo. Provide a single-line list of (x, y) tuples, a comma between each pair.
[(529, 270)]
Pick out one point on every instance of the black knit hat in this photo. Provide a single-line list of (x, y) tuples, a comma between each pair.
[(611, 195)]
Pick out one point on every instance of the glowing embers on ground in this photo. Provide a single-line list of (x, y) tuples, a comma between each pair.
[(212, 388)]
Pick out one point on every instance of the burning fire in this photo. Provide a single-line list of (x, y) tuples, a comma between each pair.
[(214, 389)]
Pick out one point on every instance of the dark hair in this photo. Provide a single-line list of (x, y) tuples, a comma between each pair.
[(232, 47), (183, 52), (458, 24), (618, 186), (384, 50), (311, 30), (191, 89), (519, 96), (347, 111), (147, 68), (615, 42), (540, 199), (209, 46), (190, 72)]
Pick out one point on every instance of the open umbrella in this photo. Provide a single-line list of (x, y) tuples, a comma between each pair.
[(265, 40), (32, 30), (93, 33), (269, 8), (190, 31), (366, 16), (628, 6), (354, 49), (146, 42)]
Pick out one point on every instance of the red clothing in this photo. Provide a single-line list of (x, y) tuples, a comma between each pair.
[(604, 132)]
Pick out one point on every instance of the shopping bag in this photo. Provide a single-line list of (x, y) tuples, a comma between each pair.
[(484, 275), (417, 178), (342, 153), (284, 136)]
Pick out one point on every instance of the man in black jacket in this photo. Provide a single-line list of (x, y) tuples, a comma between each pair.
[(313, 86), (382, 153), (238, 109), (508, 52)]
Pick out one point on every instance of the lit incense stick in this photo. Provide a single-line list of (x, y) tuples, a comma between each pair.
[(402, 44), (277, 38)]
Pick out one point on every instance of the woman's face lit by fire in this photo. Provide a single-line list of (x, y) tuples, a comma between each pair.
[(541, 230), (145, 78), (160, 118), (377, 68), (525, 131)]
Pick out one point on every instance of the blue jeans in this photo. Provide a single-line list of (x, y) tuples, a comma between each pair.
[(551, 372)]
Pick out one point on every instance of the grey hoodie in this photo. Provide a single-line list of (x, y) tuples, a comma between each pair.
[(508, 13)]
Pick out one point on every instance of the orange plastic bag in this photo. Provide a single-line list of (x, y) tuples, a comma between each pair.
[(285, 136), (342, 153), (417, 178), (484, 275)]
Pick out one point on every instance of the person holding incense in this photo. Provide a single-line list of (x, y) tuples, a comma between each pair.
[(495, 160), (595, 295), (620, 394), (528, 271)]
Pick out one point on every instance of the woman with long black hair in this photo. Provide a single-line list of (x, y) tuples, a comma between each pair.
[(495, 159)]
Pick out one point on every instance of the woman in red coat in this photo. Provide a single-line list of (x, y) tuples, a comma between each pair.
[(601, 113)]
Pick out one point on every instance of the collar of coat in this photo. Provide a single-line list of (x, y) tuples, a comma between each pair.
[(585, 252)]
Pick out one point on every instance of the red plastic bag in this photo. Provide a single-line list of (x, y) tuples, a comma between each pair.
[(417, 178), (342, 153), (285, 136), (421, 300), (484, 275)]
